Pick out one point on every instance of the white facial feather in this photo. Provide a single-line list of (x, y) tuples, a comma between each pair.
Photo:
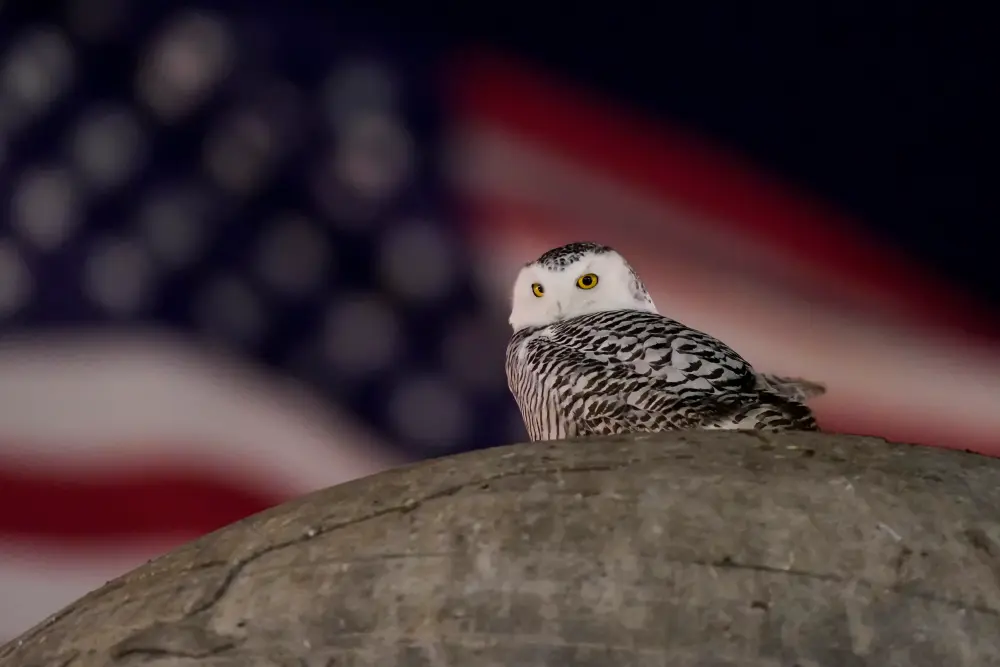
[(618, 287)]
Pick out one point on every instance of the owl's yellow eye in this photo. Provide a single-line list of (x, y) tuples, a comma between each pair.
[(537, 289), (587, 281)]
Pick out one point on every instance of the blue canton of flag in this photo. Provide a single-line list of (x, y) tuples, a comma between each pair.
[(259, 178)]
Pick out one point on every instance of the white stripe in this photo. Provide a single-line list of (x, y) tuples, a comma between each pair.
[(103, 402)]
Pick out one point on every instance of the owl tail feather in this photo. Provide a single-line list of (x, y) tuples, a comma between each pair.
[(797, 389)]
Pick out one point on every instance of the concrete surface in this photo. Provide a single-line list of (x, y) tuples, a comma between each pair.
[(691, 549)]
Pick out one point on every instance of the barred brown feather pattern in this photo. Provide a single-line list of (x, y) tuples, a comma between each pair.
[(623, 371)]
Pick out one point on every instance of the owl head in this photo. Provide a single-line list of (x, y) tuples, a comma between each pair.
[(573, 280)]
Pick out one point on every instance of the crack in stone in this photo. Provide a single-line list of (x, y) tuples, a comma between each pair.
[(406, 506), (186, 638), (167, 653), (728, 563), (411, 505)]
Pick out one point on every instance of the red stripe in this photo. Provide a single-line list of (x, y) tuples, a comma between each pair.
[(92, 507), (659, 159)]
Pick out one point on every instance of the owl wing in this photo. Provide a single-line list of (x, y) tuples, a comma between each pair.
[(620, 369)]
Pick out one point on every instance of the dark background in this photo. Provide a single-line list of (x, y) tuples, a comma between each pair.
[(880, 108)]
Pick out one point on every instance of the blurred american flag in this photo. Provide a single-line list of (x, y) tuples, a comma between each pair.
[(250, 251)]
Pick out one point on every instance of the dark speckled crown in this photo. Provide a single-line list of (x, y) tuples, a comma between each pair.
[(559, 258)]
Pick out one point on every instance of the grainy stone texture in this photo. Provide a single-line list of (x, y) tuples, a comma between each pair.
[(688, 549)]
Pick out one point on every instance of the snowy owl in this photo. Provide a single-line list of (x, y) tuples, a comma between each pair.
[(590, 355)]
